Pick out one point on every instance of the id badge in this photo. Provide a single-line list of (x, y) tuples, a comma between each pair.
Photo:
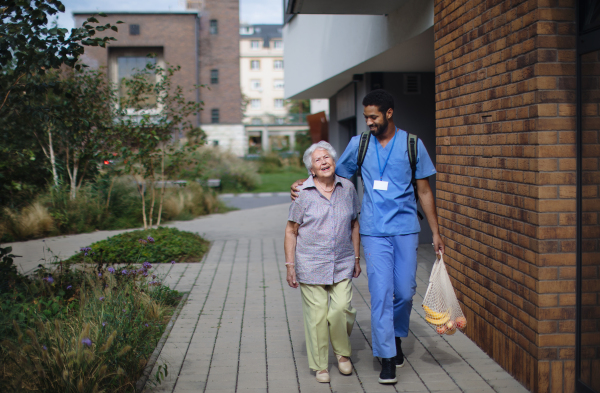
[(380, 185)]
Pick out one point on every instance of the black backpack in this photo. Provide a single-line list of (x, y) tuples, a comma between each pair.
[(411, 142)]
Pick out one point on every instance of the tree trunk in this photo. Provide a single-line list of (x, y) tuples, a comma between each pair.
[(153, 199), (143, 195), (112, 183), (162, 191), (72, 174), (52, 158)]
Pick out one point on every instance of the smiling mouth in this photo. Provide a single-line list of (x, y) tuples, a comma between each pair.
[(325, 168)]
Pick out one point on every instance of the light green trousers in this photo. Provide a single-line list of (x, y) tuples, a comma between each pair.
[(327, 313)]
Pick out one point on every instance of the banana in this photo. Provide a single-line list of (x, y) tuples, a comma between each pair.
[(436, 318)]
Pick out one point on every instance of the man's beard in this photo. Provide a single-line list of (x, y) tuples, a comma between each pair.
[(380, 129)]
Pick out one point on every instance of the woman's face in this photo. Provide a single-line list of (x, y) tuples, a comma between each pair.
[(322, 164)]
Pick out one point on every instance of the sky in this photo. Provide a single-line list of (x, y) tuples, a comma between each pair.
[(251, 11)]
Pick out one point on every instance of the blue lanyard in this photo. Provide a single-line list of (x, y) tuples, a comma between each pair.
[(387, 159)]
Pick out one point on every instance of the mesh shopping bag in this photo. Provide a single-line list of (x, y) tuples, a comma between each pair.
[(441, 306)]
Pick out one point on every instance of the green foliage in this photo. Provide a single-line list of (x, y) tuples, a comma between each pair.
[(280, 181), (298, 106), (169, 244), (236, 174), (270, 163), (81, 331)]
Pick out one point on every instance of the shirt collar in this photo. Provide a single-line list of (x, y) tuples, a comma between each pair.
[(310, 182)]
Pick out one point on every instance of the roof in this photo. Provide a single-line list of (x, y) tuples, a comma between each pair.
[(92, 12), (265, 32)]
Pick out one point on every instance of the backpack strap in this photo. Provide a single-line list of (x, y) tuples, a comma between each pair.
[(412, 145), (363, 145)]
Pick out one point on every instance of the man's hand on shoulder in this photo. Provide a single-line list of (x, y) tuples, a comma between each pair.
[(294, 191)]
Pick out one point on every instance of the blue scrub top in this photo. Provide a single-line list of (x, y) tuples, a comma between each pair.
[(394, 211)]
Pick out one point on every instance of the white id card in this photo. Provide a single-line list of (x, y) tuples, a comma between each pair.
[(380, 185)]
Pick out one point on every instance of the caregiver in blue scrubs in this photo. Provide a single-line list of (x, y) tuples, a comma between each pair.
[(389, 226)]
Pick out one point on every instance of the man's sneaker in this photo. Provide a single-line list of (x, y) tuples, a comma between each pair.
[(399, 354), (388, 371)]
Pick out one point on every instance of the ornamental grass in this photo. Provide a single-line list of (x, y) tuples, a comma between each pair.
[(90, 329)]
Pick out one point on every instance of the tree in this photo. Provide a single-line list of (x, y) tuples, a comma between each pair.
[(30, 49), (154, 114)]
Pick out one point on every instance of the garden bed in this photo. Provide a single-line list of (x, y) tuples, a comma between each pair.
[(88, 329)]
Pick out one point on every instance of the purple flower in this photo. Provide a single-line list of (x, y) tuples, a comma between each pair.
[(44, 348), (134, 272), (147, 265), (101, 298), (154, 276), (124, 310), (49, 280), (150, 239), (103, 323), (87, 341), (111, 269), (173, 262), (145, 274), (69, 287), (124, 271), (99, 274), (146, 324)]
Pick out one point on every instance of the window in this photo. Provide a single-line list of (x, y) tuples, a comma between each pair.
[(279, 120), (134, 29), (279, 103), (278, 84), (127, 66), (214, 26), (255, 84), (278, 44), (278, 64), (214, 77), (246, 30), (214, 116), (215, 142), (255, 65), (255, 103), (255, 44), (256, 121)]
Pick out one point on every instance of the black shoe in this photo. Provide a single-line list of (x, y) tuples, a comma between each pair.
[(388, 371), (399, 355)]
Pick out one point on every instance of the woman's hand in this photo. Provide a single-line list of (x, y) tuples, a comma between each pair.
[(291, 277), (357, 269)]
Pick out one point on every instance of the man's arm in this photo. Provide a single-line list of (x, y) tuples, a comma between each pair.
[(428, 205), (294, 192)]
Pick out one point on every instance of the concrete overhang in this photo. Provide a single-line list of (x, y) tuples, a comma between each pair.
[(414, 55), (342, 7)]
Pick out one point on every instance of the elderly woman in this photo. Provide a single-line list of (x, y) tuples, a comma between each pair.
[(322, 255)]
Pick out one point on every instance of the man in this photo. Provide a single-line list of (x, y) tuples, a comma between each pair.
[(389, 226)]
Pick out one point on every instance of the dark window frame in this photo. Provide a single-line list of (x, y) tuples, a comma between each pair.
[(215, 116), (214, 77), (213, 28), (134, 29)]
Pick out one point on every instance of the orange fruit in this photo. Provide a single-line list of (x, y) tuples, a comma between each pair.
[(450, 325), (461, 322), (441, 329)]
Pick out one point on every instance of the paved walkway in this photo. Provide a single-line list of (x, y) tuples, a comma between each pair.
[(241, 329)]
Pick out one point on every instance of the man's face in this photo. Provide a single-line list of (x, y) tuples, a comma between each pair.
[(376, 121)]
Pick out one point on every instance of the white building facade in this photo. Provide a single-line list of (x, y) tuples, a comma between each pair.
[(268, 124)]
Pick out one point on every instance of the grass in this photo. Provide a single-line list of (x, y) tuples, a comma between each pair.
[(157, 245), (87, 330), (280, 181)]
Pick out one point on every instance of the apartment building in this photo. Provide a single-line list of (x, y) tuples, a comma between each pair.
[(504, 95), (203, 40), (269, 126)]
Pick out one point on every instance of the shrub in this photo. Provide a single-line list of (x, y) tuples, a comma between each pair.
[(33, 221), (270, 163), (81, 331), (189, 202), (168, 244), (213, 163)]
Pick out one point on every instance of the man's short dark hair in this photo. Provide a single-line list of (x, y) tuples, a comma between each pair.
[(381, 99)]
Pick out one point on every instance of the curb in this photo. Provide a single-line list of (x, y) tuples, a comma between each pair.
[(141, 383)]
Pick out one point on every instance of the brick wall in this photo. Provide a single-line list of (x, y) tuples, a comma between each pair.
[(590, 287), (174, 33), (222, 52), (505, 112)]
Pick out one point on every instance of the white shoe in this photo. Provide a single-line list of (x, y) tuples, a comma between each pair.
[(323, 376), (344, 367)]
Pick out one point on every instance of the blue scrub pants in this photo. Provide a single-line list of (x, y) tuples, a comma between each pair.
[(391, 270)]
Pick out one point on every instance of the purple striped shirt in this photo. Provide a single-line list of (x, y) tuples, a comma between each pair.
[(324, 250)]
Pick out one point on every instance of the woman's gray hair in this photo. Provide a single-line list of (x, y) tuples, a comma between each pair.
[(307, 158)]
